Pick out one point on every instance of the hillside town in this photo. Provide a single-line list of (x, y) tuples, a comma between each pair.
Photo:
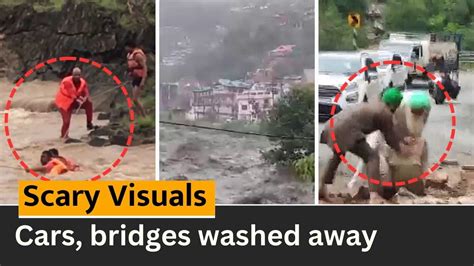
[(227, 70), (250, 98)]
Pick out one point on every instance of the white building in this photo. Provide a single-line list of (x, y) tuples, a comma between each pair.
[(254, 104)]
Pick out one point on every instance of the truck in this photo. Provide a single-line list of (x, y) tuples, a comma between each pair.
[(432, 51), (437, 53)]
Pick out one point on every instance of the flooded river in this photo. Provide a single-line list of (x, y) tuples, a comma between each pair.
[(234, 161), (34, 130)]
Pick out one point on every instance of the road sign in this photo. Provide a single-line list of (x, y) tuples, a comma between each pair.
[(353, 19)]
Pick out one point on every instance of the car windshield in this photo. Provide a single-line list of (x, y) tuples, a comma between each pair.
[(402, 49), (339, 64)]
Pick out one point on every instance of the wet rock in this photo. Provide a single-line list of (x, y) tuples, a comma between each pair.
[(362, 194), (404, 192), (149, 140), (468, 167), (454, 178), (450, 162), (48, 33), (101, 131), (117, 115), (437, 180), (99, 142), (103, 116), (119, 139), (468, 175)]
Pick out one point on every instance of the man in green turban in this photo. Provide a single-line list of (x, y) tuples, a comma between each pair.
[(410, 117), (352, 125), (413, 112), (392, 97)]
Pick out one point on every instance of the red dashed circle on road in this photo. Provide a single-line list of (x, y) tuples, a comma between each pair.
[(412, 180), (95, 64)]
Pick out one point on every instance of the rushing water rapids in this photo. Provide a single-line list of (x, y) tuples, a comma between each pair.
[(34, 130), (234, 161)]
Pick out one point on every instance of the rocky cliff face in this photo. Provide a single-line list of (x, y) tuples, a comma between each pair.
[(28, 36)]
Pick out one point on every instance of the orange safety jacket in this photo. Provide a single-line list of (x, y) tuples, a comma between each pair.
[(68, 92), (134, 67)]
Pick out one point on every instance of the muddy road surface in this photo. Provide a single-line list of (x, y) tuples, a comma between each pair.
[(34, 129), (234, 161), (458, 189)]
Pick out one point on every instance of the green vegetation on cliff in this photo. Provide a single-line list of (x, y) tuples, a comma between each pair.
[(293, 117), (455, 16), (334, 33), (132, 14)]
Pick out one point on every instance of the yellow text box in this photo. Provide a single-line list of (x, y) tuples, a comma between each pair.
[(117, 198)]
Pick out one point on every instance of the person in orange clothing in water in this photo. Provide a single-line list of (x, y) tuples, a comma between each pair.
[(73, 94), (137, 69), (53, 164)]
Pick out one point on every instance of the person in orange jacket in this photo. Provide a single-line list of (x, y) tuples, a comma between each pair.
[(73, 94), (137, 69)]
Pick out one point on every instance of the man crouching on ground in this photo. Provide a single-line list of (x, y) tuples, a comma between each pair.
[(411, 116), (351, 126)]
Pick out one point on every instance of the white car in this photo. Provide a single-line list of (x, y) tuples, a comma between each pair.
[(335, 69)]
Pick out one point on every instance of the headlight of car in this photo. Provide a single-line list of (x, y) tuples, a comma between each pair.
[(351, 87), (352, 97)]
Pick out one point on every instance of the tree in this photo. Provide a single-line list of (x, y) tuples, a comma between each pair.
[(334, 33), (293, 117), (409, 15)]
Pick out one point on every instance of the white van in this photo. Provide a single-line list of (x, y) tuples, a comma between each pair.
[(422, 49)]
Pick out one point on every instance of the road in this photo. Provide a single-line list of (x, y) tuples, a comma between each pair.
[(437, 133)]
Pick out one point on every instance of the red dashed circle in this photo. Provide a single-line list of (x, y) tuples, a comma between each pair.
[(28, 73), (434, 167)]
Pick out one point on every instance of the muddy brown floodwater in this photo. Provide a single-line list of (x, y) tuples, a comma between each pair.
[(234, 161), (33, 131), (451, 186)]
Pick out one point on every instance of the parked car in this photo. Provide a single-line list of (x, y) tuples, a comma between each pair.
[(335, 69)]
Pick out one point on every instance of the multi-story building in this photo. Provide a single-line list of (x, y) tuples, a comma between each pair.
[(254, 105)]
